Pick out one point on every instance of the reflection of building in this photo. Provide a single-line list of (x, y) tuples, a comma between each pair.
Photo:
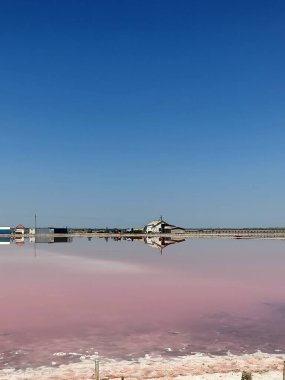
[(41, 239), (160, 226), (46, 235), (19, 240), (161, 242), (50, 239), (5, 240)]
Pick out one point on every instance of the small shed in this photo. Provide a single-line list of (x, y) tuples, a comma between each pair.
[(41, 231), (60, 230), (20, 229)]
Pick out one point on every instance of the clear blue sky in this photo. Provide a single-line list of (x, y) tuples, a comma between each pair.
[(114, 112)]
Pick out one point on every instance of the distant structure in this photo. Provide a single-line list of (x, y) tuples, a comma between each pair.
[(48, 230), (5, 231), (20, 230), (160, 226), (19, 235), (46, 235)]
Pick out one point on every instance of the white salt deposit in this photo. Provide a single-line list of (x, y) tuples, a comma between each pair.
[(196, 367)]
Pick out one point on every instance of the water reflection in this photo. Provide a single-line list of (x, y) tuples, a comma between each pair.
[(157, 242), (5, 241), (161, 242), (122, 300), (50, 239), (20, 241)]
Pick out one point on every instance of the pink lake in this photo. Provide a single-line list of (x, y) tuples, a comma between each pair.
[(125, 300)]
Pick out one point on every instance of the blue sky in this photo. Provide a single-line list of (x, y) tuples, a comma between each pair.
[(115, 112)]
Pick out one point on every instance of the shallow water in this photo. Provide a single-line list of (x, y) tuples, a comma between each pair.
[(124, 299)]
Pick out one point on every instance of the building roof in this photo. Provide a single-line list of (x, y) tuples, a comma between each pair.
[(153, 222), (156, 222)]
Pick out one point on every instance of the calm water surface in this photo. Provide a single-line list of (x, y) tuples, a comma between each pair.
[(125, 299)]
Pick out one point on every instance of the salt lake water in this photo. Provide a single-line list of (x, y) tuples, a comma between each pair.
[(124, 299)]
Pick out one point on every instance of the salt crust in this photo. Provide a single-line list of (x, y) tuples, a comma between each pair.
[(193, 367)]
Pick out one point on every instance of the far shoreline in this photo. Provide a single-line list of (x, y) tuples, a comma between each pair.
[(232, 233)]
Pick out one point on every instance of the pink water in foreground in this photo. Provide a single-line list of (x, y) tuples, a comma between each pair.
[(123, 299)]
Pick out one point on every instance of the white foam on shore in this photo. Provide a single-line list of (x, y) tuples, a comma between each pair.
[(196, 367)]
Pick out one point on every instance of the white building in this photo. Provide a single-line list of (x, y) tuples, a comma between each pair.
[(160, 226), (20, 230), (155, 226)]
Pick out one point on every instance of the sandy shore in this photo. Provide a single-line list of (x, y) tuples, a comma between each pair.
[(194, 367)]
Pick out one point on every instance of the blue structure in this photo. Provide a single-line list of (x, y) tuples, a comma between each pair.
[(5, 230)]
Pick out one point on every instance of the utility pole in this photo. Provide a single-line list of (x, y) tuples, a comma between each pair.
[(35, 235), (97, 374)]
